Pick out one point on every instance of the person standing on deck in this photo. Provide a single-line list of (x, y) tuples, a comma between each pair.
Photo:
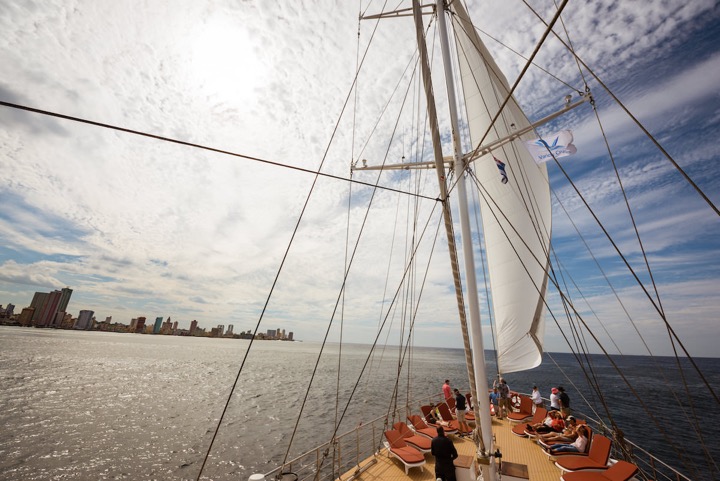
[(460, 413), (503, 398), (564, 402), (494, 396), (536, 398), (444, 451), (554, 399), (447, 392)]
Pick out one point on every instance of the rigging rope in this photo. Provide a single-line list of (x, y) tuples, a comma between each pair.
[(195, 145), (660, 427)]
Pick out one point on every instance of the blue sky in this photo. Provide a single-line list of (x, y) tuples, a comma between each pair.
[(139, 227)]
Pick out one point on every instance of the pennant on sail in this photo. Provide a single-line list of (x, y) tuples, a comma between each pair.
[(501, 167), (557, 145)]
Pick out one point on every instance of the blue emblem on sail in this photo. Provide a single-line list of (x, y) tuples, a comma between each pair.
[(501, 167)]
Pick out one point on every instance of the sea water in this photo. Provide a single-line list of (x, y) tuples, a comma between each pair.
[(100, 406)]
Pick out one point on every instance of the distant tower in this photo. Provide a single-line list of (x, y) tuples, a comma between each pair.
[(140, 326), (64, 299), (230, 330), (26, 316), (49, 309), (37, 302), (84, 320), (193, 326), (158, 325)]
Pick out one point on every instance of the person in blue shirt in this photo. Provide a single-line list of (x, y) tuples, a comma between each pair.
[(494, 396)]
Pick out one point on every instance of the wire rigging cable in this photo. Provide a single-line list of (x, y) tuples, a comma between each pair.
[(193, 145)]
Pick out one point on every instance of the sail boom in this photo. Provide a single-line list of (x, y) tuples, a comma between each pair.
[(482, 150)]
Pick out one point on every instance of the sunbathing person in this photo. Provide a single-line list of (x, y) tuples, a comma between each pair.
[(552, 423), (578, 445), (568, 435)]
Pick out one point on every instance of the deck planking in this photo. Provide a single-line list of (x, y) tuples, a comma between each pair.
[(513, 448)]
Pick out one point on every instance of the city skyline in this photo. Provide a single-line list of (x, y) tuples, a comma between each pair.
[(49, 310)]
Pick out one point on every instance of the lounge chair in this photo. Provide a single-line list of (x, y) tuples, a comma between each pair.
[(427, 410), (596, 459), (410, 457), (525, 412), (417, 441), (620, 471), (519, 429), (445, 415), (421, 427), (546, 445)]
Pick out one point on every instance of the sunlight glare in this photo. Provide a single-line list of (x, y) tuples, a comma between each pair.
[(225, 63)]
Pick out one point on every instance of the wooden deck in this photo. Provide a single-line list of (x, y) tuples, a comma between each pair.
[(514, 449)]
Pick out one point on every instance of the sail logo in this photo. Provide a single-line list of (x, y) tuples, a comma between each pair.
[(560, 146)]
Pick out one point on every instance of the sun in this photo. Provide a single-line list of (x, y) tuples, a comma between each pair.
[(225, 63)]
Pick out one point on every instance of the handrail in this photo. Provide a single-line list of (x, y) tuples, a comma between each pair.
[(363, 437), (363, 440)]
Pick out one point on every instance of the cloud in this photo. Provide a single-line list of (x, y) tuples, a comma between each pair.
[(140, 227), (40, 276)]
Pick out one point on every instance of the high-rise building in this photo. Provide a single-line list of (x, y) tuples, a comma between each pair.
[(158, 325), (49, 309), (65, 299), (290, 336), (26, 316), (140, 326), (9, 310), (37, 302), (230, 330), (84, 320), (193, 326)]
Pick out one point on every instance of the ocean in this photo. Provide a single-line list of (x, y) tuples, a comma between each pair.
[(104, 406)]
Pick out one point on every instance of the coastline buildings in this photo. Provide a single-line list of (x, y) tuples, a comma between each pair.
[(49, 310), (50, 307)]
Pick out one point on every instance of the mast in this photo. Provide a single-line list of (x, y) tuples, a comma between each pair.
[(439, 164), (478, 352)]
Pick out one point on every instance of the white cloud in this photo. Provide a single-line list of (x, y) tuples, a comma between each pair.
[(149, 225)]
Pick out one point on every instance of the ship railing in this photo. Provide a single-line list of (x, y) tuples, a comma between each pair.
[(349, 453), (648, 464)]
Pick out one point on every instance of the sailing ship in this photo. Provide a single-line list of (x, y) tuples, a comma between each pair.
[(514, 198), (490, 169)]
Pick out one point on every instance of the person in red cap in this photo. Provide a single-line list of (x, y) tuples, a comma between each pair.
[(554, 399)]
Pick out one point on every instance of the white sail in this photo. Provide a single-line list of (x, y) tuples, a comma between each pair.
[(516, 215)]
